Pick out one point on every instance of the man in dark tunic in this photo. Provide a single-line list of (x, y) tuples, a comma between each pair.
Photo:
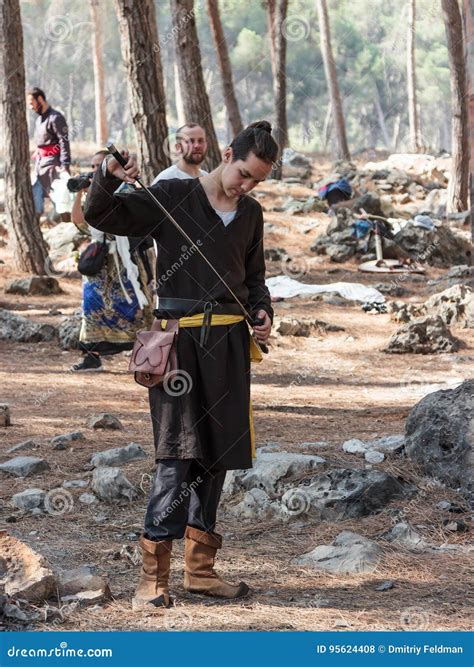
[(52, 140), (201, 416)]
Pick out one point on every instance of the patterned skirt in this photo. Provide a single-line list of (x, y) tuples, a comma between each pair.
[(109, 321)]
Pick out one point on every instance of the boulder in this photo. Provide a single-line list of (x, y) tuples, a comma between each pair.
[(440, 247), (34, 285), (105, 420), (80, 579), (451, 305), (424, 335), (349, 553), (440, 435), (343, 493), (5, 418), (24, 466), (68, 332), (256, 505), (29, 499), (111, 484), (270, 471), (118, 455), (67, 438), (403, 535), (63, 239), (292, 326), (21, 330), (22, 446), (26, 573)]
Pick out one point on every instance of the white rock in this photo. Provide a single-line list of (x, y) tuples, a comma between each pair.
[(23, 466), (118, 455), (112, 485), (28, 499), (350, 553), (373, 456)]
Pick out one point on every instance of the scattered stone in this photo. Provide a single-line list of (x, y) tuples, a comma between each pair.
[(83, 578), (257, 506), (443, 505), (455, 526), (349, 553), (373, 456), (27, 500), (118, 455), (21, 330), (34, 285), (21, 446), (87, 498), (105, 420), (385, 586), (111, 484), (66, 438), (270, 472), (68, 332), (425, 335), (343, 493), (24, 466), (451, 304), (85, 598), (440, 247), (292, 326), (75, 484), (63, 239), (355, 446), (390, 444), (391, 289), (5, 419), (403, 535), (275, 254), (439, 435), (14, 613), (26, 574)]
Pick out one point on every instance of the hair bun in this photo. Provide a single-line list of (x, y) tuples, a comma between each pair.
[(261, 125)]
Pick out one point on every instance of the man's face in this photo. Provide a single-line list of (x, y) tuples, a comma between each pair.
[(241, 176), (97, 161), (192, 145), (35, 104)]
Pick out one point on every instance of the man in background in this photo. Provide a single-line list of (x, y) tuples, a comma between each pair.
[(52, 154), (191, 146)]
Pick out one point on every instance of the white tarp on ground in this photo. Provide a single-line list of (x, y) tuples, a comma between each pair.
[(285, 287)]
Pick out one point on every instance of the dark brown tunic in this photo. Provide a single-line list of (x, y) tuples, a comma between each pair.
[(209, 418)]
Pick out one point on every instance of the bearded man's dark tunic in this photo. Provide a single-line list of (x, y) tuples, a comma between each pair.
[(211, 421)]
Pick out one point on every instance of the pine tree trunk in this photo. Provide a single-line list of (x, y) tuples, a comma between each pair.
[(331, 78), (178, 97), (29, 247), (195, 99), (101, 130), (141, 56), (469, 17), (411, 80), (280, 131), (271, 12), (459, 178), (223, 59)]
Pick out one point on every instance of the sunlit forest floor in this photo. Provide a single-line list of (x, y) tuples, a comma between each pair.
[(330, 387)]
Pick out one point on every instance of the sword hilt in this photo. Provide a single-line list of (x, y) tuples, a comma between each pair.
[(117, 155)]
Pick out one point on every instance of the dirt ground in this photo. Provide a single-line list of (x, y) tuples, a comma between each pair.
[(328, 388)]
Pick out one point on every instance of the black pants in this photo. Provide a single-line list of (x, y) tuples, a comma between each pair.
[(184, 493)]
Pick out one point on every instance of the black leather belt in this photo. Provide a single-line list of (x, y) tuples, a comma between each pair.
[(171, 308)]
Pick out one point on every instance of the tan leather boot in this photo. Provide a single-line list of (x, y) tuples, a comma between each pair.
[(152, 587), (199, 576)]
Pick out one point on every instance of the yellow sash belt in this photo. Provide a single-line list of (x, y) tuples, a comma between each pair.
[(255, 351)]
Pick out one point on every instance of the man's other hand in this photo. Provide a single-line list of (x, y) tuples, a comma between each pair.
[(262, 331)]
